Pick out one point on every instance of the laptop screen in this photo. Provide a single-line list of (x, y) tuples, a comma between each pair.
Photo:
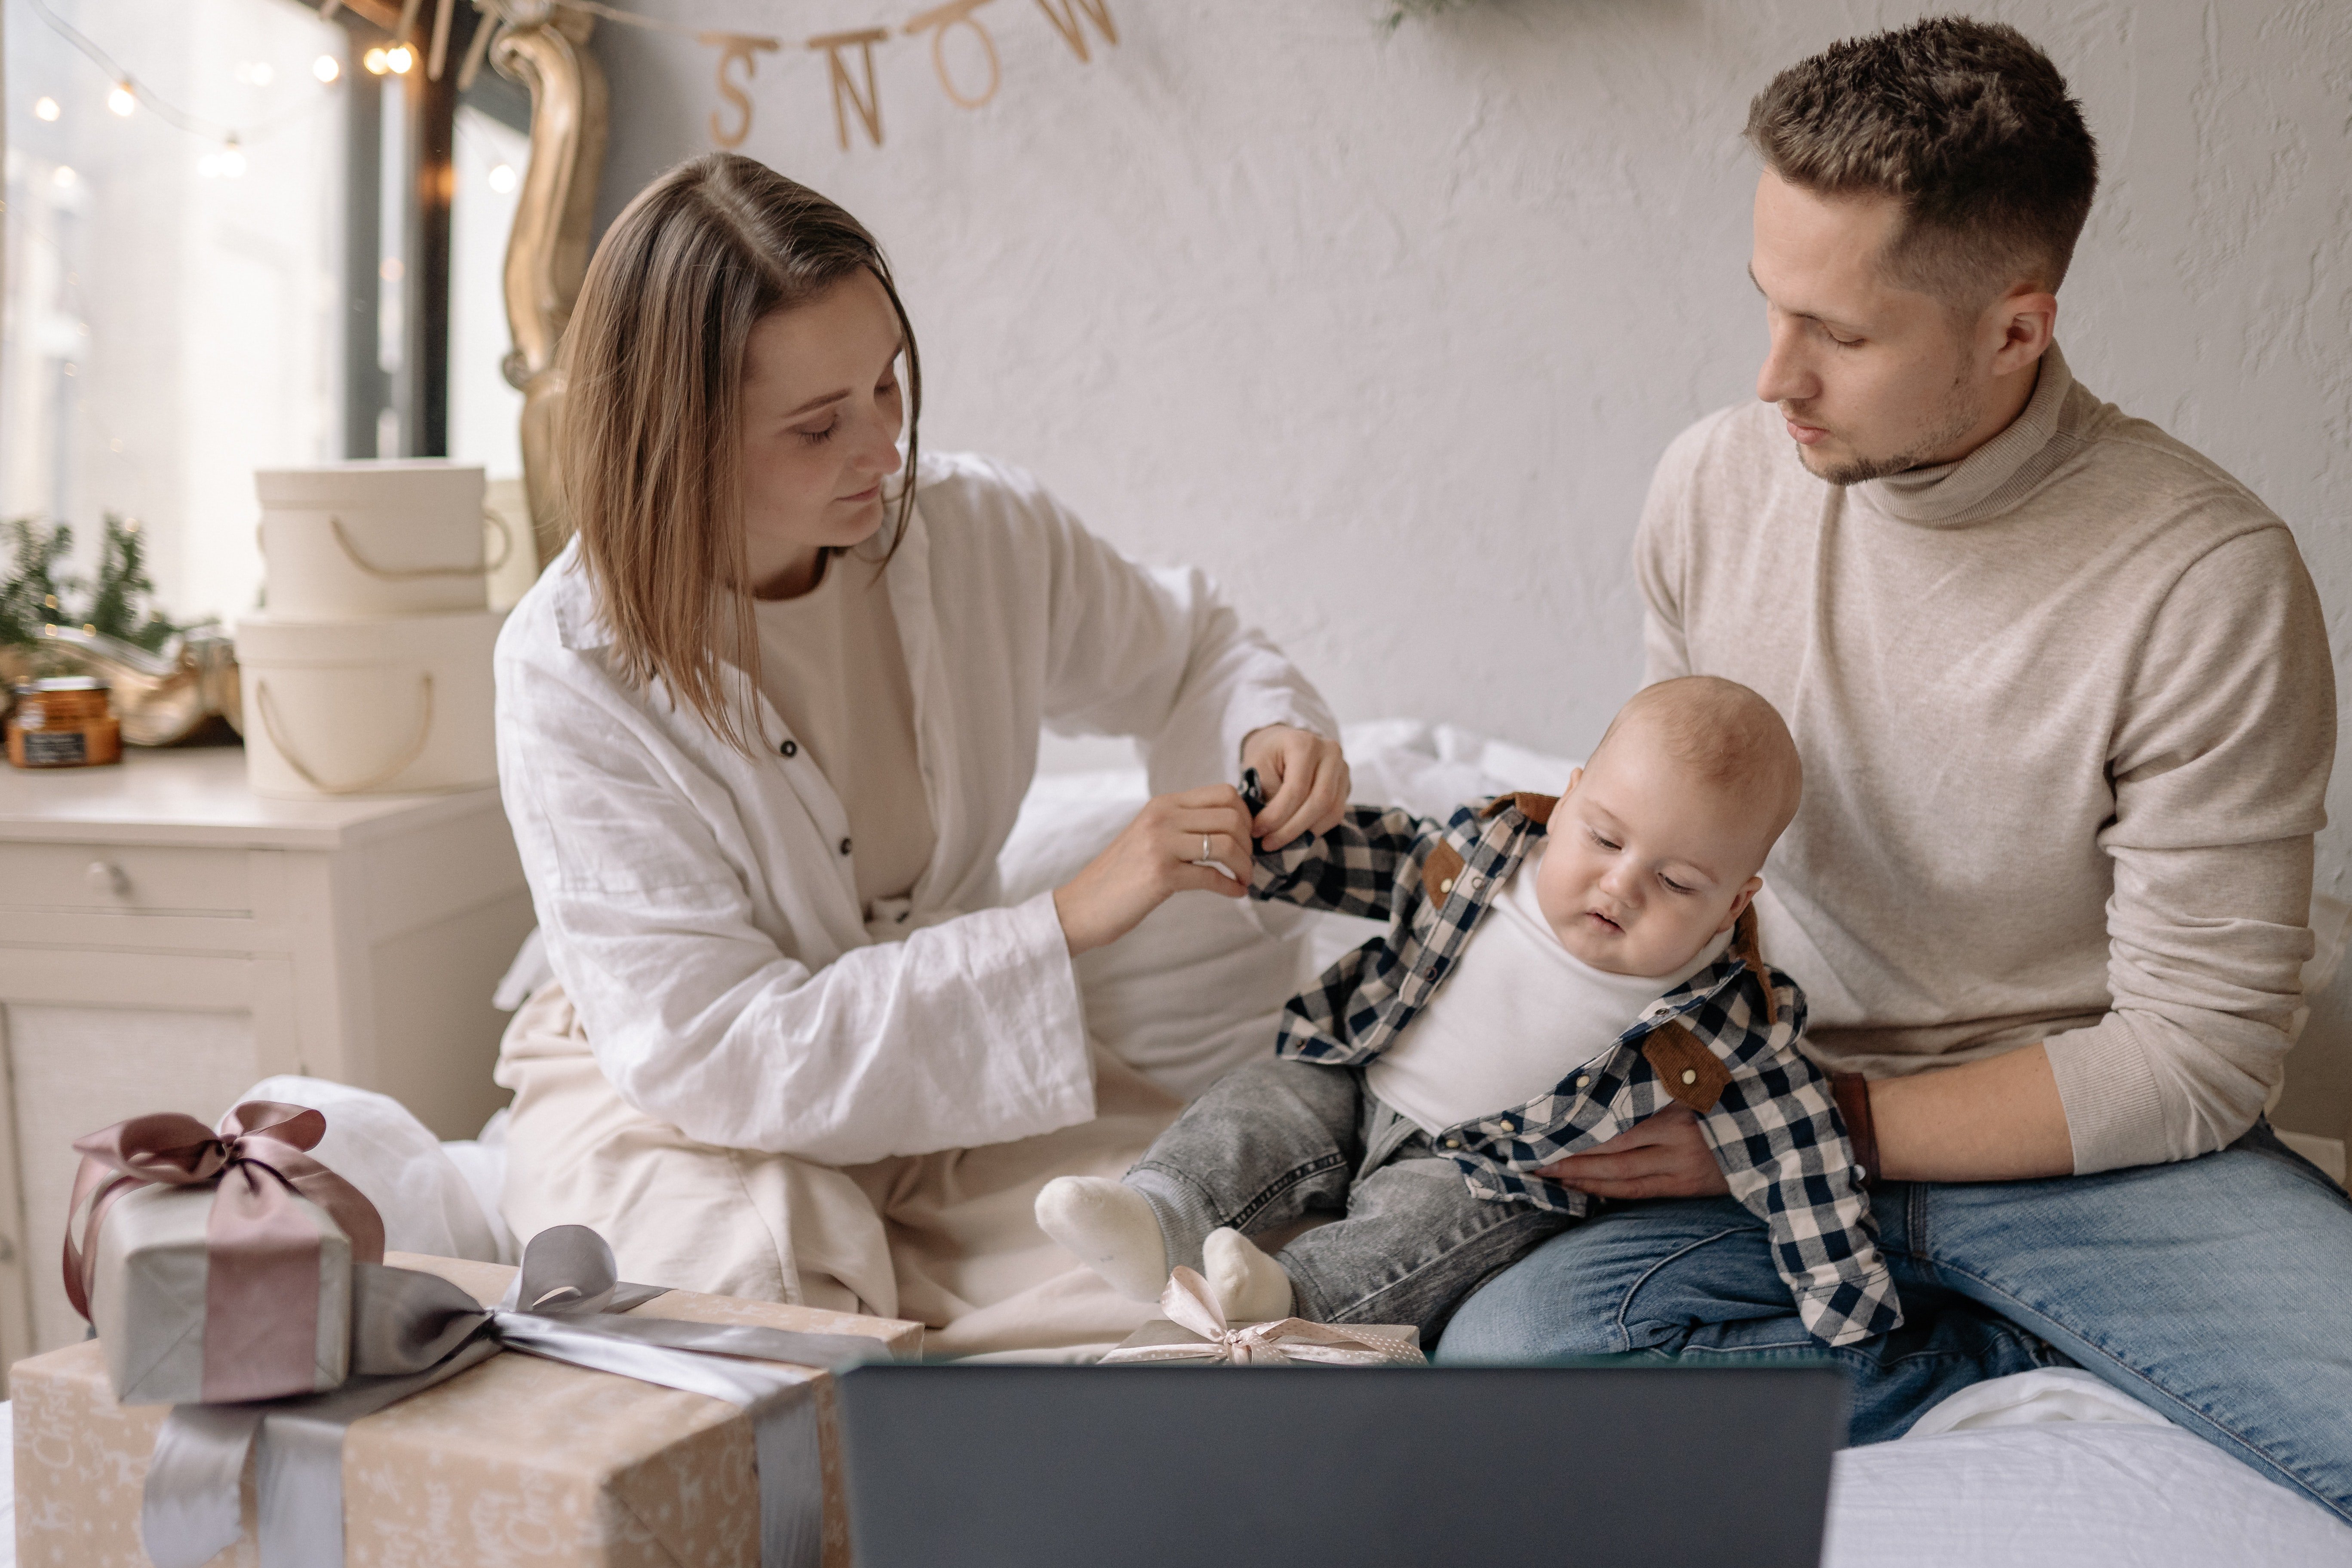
[(1155, 1467)]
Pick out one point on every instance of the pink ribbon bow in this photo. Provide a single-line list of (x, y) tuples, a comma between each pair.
[(261, 1281), (1191, 1305)]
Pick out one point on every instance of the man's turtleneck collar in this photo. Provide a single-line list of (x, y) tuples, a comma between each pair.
[(1994, 478)]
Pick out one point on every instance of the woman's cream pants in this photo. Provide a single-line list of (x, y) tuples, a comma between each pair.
[(947, 1239)]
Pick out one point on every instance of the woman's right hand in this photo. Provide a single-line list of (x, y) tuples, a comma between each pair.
[(1153, 856)]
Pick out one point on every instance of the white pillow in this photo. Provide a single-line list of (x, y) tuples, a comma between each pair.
[(1430, 769), (1193, 991), (375, 1144)]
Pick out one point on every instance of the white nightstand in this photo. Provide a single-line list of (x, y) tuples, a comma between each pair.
[(167, 938)]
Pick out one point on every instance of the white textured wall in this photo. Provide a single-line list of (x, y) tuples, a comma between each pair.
[(1387, 329)]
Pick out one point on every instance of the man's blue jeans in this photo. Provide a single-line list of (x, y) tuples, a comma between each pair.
[(2218, 1290)]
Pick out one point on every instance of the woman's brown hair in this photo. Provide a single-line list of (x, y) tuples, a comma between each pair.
[(648, 440)]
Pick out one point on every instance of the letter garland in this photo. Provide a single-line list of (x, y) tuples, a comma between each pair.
[(1069, 18), (856, 92)]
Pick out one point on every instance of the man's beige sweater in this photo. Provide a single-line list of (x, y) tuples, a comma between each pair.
[(2067, 714)]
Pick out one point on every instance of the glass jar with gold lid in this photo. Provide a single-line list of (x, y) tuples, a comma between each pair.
[(66, 723)]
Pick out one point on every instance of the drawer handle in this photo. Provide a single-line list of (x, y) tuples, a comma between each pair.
[(390, 574), (415, 749), (108, 878)]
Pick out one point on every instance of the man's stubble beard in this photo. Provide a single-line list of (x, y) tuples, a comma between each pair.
[(1955, 420)]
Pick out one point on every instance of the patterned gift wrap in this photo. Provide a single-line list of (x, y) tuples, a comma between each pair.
[(519, 1461)]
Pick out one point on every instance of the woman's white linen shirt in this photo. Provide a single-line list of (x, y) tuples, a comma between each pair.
[(701, 907)]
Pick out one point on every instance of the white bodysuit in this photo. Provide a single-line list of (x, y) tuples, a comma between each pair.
[(1517, 1016)]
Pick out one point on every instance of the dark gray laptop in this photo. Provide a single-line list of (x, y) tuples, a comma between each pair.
[(1157, 1466)]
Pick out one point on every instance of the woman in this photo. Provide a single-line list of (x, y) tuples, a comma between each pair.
[(762, 731)]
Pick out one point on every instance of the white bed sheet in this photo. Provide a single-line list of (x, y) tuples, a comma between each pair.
[(2055, 1469)]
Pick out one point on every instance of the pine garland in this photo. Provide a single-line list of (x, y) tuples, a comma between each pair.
[(122, 584), (35, 595)]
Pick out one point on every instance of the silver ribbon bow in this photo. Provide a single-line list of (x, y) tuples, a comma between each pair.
[(410, 1330), (1191, 1305)]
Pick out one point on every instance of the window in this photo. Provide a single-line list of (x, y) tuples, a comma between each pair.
[(266, 254), (493, 145)]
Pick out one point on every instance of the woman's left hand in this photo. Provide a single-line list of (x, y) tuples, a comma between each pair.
[(1309, 776), (1664, 1157)]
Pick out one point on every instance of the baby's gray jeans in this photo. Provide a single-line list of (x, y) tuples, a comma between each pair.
[(1279, 1144)]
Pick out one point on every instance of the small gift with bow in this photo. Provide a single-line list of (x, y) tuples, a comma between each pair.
[(1195, 1331), (215, 1263)]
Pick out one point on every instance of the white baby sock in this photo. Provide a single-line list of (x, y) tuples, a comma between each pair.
[(1110, 1226), (1251, 1287)]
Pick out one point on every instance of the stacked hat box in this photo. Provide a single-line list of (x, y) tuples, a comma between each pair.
[(369, 671)]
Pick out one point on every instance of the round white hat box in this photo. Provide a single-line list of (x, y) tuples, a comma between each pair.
[(397, 705), (394, 537)]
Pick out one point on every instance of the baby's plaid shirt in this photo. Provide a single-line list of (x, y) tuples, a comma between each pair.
[(1723, 1043)]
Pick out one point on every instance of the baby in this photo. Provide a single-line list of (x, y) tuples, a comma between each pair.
[(1418, 1087)]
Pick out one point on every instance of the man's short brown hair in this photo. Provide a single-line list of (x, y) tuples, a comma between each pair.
[(1965, 123)]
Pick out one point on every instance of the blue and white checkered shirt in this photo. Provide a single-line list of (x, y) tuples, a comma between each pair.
[(1723, 1043)]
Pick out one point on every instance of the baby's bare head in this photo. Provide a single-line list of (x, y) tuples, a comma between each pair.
[(1725, 741), (1656, 848)]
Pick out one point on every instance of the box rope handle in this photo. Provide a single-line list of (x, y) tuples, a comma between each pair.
[(415, 749), (410, 574)]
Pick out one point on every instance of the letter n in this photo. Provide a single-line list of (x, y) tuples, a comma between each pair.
[(1070, 17), (845, 96)]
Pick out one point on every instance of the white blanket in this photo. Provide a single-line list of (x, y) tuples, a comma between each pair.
[(2055, 1469)]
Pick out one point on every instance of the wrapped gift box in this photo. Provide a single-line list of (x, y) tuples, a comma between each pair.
[(1160, 1331), (520, 1461), (147, 1296)]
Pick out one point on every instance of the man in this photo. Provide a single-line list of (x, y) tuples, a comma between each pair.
[(2066, 709)]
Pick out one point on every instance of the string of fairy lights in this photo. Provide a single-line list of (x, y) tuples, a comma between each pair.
[(413, 40), (128, 93)]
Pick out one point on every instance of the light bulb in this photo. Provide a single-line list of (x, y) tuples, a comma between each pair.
[(231, 162), (400, 57), (502, 178), (45, 108), (121, 100), (376, 61), (65, 176), (326, 68)]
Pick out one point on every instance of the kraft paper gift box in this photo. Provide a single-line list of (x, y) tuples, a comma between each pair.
[(520, 1461), (1195, 1333), (147, 1294)]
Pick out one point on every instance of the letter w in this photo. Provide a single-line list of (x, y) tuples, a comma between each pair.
[(1069, 18)]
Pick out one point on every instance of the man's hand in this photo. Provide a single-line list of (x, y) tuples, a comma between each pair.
[(1664, 1157), (1996, 1120), (1309, 776)]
